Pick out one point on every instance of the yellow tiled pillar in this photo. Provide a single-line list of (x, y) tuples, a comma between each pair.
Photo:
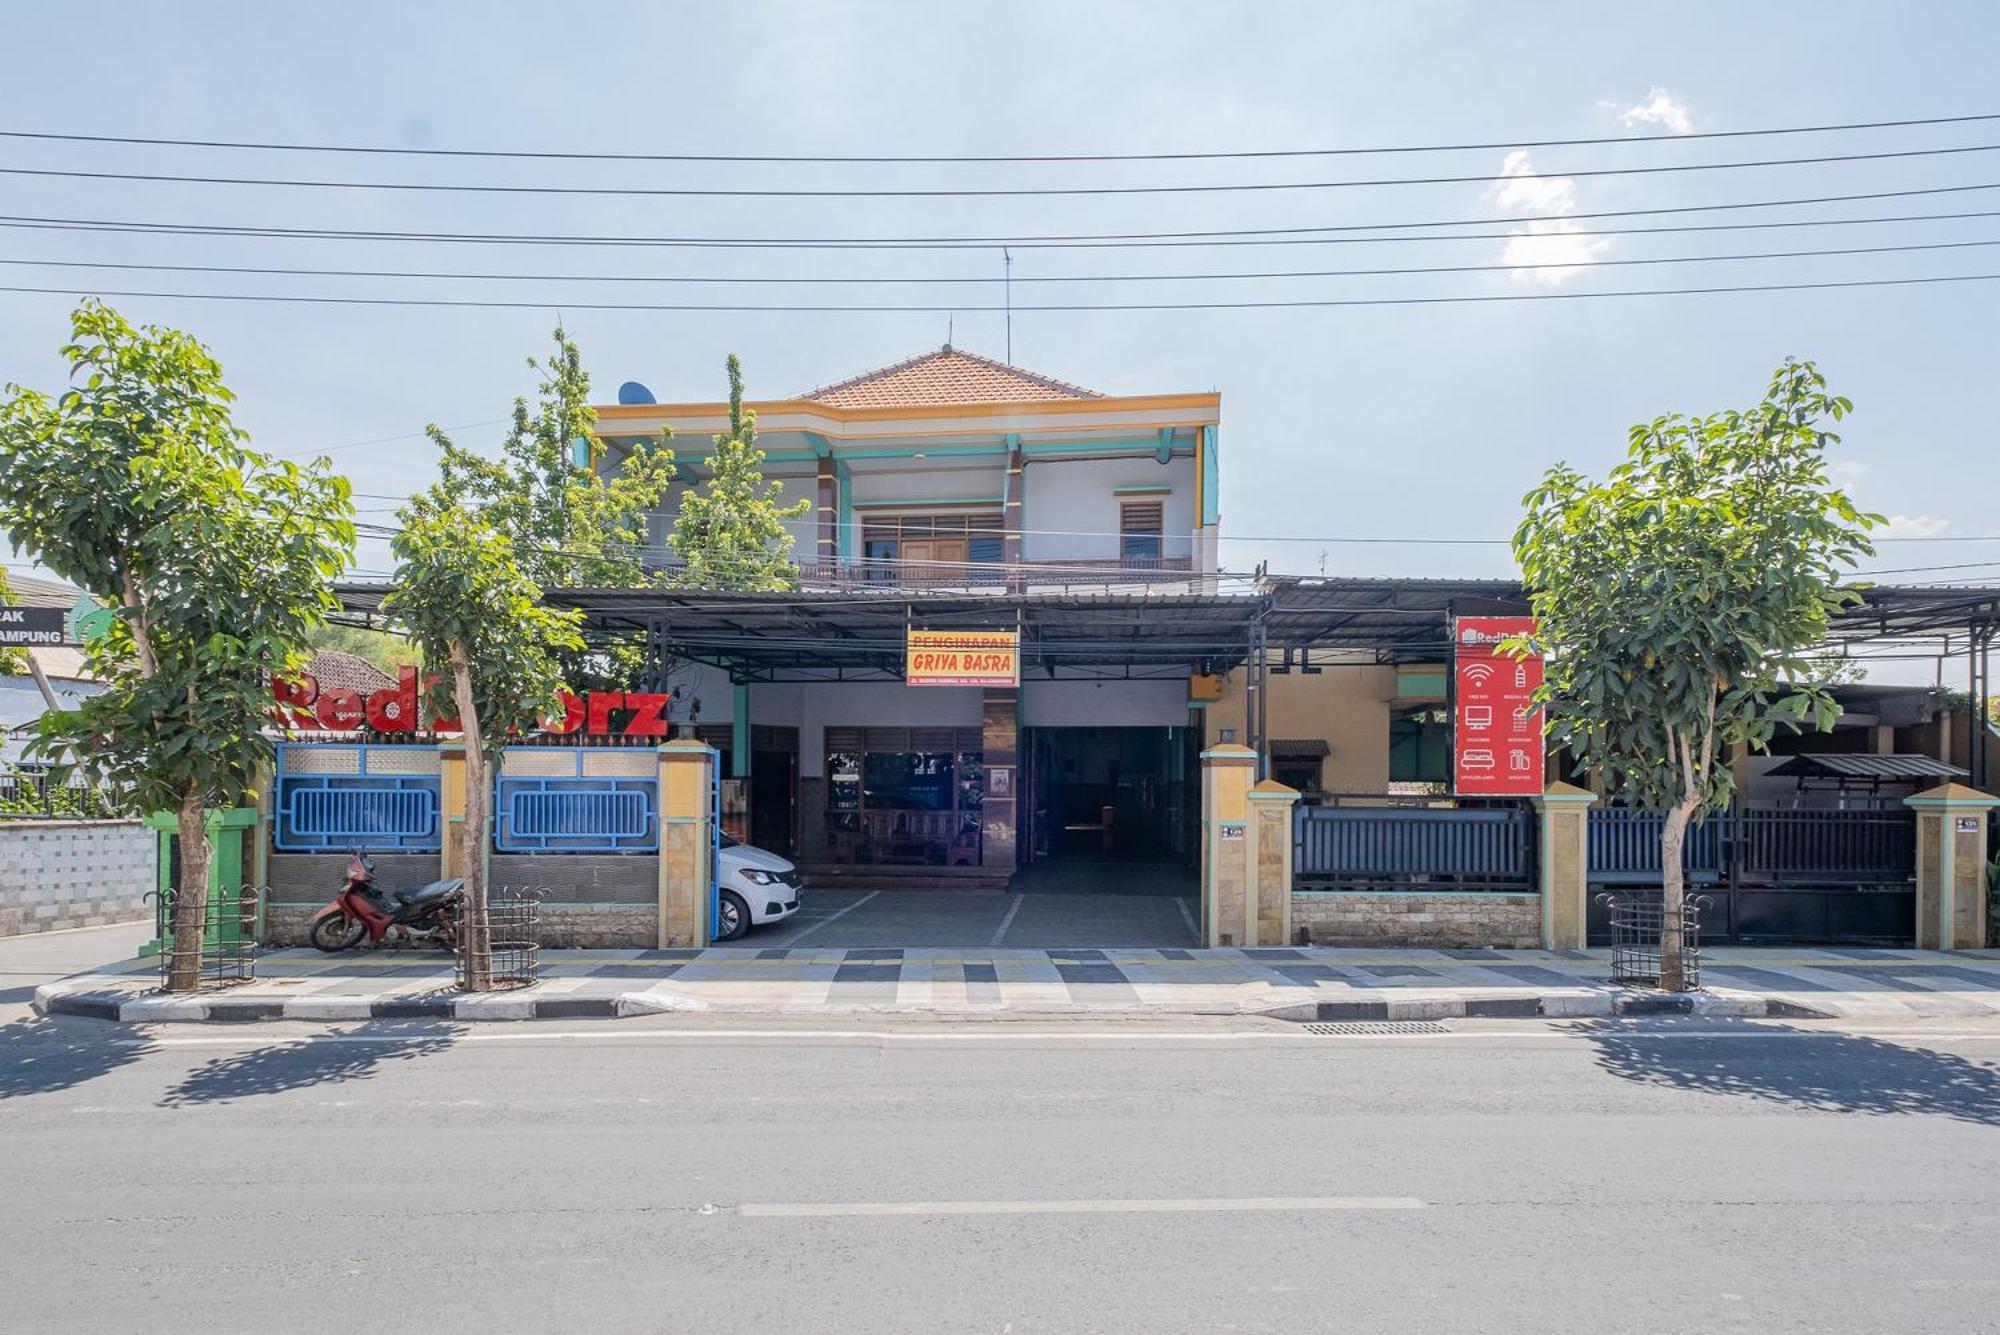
[(687, 816), (1951, 866), (1565, 864), (1227, 773), (451, 806), (1268, 894)]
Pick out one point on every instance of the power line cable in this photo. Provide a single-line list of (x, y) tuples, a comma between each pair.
[(980, 192), (934, 280), (867, 309), (1185, 156), (1326, 234)]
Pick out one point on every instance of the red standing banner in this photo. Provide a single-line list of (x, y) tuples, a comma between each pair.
[(1497, 747)]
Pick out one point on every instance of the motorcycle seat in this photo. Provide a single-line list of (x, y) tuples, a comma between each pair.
[(424, 894)]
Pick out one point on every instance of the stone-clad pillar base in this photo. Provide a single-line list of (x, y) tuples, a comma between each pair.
[(1564, 856), (1227, 772), (687, 834), (1268, 893), (1951, 867)]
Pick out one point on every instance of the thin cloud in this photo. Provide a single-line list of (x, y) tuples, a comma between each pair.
[(1551, 241), (1913, 526), (1660, 108)]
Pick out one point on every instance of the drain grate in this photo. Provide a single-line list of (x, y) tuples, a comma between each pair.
[(1378, 1027)]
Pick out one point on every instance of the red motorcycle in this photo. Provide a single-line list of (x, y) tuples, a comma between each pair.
[(424, 914)]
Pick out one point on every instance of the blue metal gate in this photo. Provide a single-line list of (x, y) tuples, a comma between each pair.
[(330, 797)]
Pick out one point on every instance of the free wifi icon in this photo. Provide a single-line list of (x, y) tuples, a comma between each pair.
[(1479, 673)]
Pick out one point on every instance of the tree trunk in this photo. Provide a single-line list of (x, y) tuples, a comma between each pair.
[(1673, 895), (476, 930), (190, 896)]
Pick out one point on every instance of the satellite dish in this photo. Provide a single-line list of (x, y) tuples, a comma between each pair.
[(634, 392)]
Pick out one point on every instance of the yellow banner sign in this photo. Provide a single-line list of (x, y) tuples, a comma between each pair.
[(963, 658)]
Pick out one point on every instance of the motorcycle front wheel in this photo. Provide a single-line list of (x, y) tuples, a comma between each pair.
[(336, 932)]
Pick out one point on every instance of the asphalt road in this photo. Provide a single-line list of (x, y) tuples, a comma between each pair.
[(630, 1177)]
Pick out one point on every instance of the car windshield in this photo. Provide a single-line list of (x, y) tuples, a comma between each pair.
[(727, 842)]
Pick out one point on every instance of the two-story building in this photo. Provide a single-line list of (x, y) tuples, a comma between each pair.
[(953, 472)]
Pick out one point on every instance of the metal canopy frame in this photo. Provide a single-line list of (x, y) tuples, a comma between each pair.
[(855, 635)]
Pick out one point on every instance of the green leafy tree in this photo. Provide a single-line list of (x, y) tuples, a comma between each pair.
[(1681, 599), (386, 651), (479, 618), (730, 533), (135, 485), (568, 524)]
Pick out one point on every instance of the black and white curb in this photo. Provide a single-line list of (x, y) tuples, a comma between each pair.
[(127, 1008), (1565, 1005)]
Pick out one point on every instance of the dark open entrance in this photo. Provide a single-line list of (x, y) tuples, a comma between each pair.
[(1109, 794)]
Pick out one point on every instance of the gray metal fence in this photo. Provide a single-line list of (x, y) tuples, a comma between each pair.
[(1434, 848)]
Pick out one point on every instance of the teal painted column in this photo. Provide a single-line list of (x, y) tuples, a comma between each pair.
[(739, 730)]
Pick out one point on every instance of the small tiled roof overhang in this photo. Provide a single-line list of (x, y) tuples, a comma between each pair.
[(1299, 748)]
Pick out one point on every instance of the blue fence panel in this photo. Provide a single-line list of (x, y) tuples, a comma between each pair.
[(1387, 847), (332, 797), (1625, 847), (560, 808)]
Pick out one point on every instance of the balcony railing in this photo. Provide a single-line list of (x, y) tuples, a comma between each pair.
[(857, 572)]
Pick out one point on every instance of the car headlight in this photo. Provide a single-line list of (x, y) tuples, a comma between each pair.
[(756, 877)]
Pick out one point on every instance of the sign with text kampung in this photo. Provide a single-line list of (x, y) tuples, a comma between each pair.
[(31, 625), (1497, 747), (962, 658)]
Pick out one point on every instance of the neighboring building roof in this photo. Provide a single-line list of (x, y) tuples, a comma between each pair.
[(1880, 769), (948, 375), (336, 668), (32, 592), (62, 662)]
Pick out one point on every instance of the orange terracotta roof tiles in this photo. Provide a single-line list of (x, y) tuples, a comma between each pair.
[(945, 376)]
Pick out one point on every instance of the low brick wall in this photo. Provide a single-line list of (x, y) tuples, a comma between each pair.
[(1423, 921), (602, 901), (58, 874)]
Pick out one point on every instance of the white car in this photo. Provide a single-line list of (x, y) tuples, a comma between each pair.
[(755, 887)]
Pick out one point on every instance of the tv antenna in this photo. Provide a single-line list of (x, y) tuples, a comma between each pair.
[(1007, 285)]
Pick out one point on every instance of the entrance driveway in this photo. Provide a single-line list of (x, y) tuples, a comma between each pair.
[(1022, 919)]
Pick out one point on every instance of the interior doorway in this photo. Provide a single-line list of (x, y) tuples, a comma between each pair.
[(1109, 795)]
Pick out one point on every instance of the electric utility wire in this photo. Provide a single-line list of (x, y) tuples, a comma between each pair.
[(1046, 241), (866, 309), (1265, 537), (1186, 156), (950, 280), (980, 192)]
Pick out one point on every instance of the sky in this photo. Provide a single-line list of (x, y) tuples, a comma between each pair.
[(1413, 423)]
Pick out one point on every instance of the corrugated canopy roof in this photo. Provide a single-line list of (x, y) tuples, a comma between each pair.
[(1879, 769), (814, 634)]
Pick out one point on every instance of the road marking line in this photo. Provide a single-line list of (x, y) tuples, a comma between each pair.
[(1000, 932), (1116, 1033), (828, 918), (1224, 1205), (1194, 930)]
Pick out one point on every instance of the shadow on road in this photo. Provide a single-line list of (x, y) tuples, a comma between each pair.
[(39, 1055), (300, 1064), (1824, 1072)]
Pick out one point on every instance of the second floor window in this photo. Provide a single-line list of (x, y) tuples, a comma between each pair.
[(929, 548), (1140, 526)]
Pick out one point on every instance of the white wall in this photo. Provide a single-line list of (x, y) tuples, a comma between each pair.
[(950, 478), (1104, 704), (21, 704), (1077, 496)]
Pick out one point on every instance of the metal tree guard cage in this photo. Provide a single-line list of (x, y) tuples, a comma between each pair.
[(514, 928), (228, 933), (1637, 955)]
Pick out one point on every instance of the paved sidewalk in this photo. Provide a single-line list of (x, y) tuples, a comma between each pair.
[(1300, 983)]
